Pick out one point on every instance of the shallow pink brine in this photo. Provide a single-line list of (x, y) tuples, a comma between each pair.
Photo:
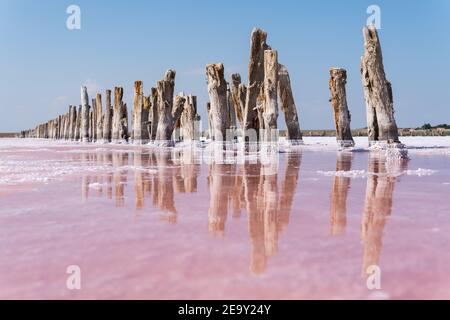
[(144, 223)]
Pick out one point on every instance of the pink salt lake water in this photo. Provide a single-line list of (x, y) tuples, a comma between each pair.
[(150, 224)]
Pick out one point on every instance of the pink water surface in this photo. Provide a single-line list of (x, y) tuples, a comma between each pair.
[(149, 224)]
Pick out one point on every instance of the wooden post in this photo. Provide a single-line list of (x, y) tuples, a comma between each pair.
[(217, 90), (99, 117), (72, 122), (270, 108), (78, 124), (169, 110), (230, 108), (146, 117), (189, 118), (256, 79), (288, 105), (140, 116), (377, 91), (107, 123), (338, 80), (238, 98), (153, 115), (94, 120), (120, 118), (91, 125), (210, 125), (85, 124)]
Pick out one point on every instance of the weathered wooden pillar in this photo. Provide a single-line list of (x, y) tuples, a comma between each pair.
[(189, 118), (256, 79), (238, 98), (78, 125), (67, 124), (217, 90), (288, 105), (270, 108), (120, 118), (146, 116), (99, 117), (108, 118), (91, 125), (377, 91), (72, 122), (153, 115), (231, 111), (85, 124), (338, 80), (140, 116), (169, 110), (210, 125), (94, 119)]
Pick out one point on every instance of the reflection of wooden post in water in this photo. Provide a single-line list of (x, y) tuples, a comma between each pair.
[(341, 185), (163, 193), (138, 181), (86, 179), (221, 183), (288, 188), (377, 207), (255, 217), (188, 172), (119, 159), (268, 206), (107, 159)]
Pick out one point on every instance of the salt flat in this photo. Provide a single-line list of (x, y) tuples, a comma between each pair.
[(142, 222)]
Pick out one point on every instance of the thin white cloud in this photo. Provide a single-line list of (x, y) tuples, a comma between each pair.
[(93, 87)]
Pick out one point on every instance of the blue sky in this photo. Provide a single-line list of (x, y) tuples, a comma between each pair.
[(43, 64)]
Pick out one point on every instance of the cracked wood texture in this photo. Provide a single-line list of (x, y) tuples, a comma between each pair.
[(288, 104), (169, 109), (377, 91), (338, 80), (270, 107), (217, 91), (85, 124), (256, 78)]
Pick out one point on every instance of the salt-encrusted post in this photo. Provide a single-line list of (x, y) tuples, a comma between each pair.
[(99, 117), (78, 124), (288, 105), (85, 137), (153, 115), (217, 90), (107, 120), (169, 110), (238, 98), (94, 120), (189, 119), (377, 91), (72, 122), (91, 125), (208, 111), (270, 109), (140, 116), (146, 121), (231, 111), (338, 80), (120, 118), (256, 79)]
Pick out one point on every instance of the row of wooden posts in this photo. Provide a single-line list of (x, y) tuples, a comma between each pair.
[(254, 108)]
